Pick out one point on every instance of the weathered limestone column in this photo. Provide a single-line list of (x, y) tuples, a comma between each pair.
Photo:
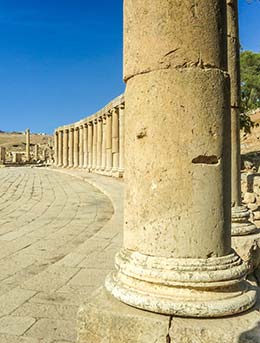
[(108, 143), (36, 152), (81, 147), (99, 143), (28, 142), (65, 148), (44, 154), (2, 155), (240, 214), (90, 145), (60, 147), (76, 147), (115, 140), (85, 146), (121, 140), (176, 257), (71, 147), (94, 161), (104, 152), (56, 144)]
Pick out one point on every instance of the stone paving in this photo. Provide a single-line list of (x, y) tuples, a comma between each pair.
[(58, 237)]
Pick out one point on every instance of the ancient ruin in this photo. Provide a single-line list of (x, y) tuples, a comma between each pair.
[(95, 143), (177, 260)]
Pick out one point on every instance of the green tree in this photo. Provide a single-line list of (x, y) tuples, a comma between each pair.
[(250, 80), (250, 86)]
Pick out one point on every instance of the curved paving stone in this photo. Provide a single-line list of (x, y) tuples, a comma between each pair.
[(58, 238)]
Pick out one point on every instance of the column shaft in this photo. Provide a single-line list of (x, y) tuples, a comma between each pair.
[(104, 153), (176, 256), (115, 140), (56, 143), (90, 145), (60, 146), (240, 214), (65, 147), (28, 142), (109, 143), (76, 147), (36, 152), (85, 146), (99, 143), (81, 147), (94, 161), (121, 139), (71, 147)]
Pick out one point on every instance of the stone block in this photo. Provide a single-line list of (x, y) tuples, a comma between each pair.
[(103, 319)]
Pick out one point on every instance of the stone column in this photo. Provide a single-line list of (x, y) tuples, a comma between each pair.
[(99, 143), (71, 147), (177, 257), (2, 154), (81, 154), (94, 161), (28, 142), (90, 144), (76, 147), (44, 154), (60, 147), (240, 214), (121, 139), (104, 152), (36, 152), (56, 144), (115, 140), (65, 148), (109, 144), (85, 146)]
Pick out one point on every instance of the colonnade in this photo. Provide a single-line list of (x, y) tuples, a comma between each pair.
[(95, 143)]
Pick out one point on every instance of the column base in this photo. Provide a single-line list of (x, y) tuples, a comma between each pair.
[(104, 319), (182, 287), (108, 172), (248, 248), (241, 225)]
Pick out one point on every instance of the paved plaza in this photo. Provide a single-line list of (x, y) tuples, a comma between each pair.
[(58, 237)]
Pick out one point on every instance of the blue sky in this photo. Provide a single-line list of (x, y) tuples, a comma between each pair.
[(61, 60)]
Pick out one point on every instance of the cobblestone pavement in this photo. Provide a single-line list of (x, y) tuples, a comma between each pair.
[(58, 237)]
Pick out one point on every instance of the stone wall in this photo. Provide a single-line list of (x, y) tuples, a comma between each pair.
[(95, 143)]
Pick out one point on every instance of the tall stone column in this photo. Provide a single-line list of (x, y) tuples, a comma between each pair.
[(115, 140), (60, 147), (81, 147), (177, 257), (28, 142), (109, 143), (104, 152), (56, 143), (65, 148), (99, 143), (94, 158), (121, 140), (36, 152), (44, 154), (71, 147), (241, 224), (76, 147), (2, 155), (90, 145), (85, 146)]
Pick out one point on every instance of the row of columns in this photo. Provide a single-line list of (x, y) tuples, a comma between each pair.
[(95, 143)]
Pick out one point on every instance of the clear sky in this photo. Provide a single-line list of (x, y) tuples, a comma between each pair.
[(61, 60)]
